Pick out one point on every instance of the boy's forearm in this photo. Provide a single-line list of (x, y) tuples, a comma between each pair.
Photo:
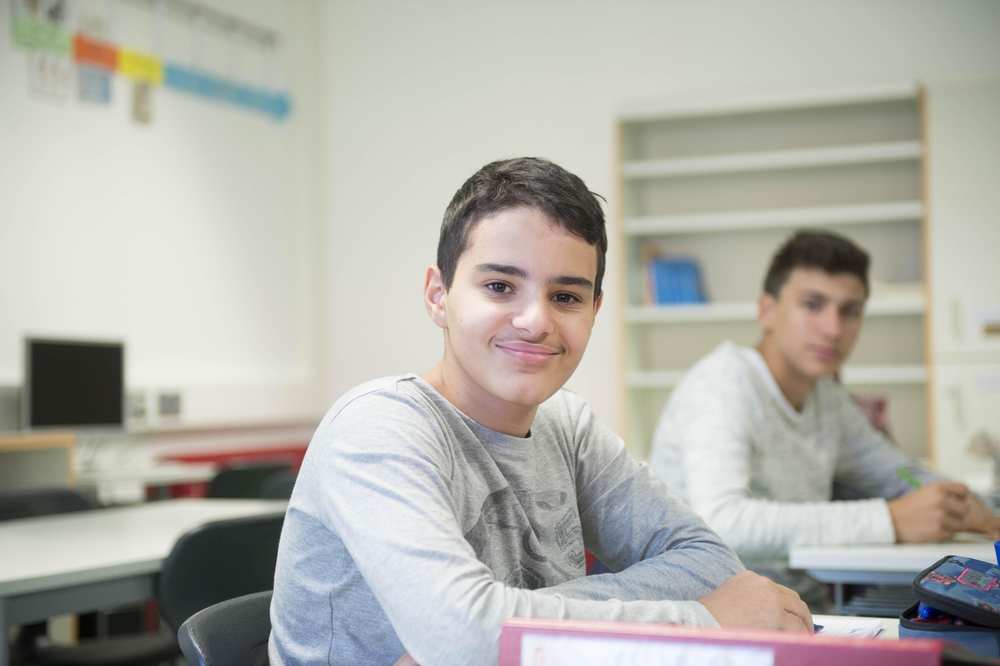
[(682, 574)]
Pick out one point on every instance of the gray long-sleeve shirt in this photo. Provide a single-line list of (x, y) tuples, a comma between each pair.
[(413, 528)]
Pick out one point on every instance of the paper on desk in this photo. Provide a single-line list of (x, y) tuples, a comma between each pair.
[(854, 627)]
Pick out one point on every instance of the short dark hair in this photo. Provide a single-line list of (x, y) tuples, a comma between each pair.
[(524, 181), (823, 250)]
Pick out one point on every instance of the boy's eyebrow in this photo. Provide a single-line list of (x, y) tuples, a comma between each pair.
[(570, 281), (507, 269), (812, 293)]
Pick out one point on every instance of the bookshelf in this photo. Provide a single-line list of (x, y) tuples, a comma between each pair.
[(725, 182)]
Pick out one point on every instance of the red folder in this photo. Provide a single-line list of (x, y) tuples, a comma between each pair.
[(526, 642)]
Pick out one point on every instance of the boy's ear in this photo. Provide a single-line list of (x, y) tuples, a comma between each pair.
[(436, 296), (766, 306)]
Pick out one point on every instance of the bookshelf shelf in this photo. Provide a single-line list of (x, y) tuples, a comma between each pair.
[(906, 303), (853, 376), (774, 160), (901, 211)]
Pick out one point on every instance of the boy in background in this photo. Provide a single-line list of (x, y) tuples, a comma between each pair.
[(429, 509), (756, 438)]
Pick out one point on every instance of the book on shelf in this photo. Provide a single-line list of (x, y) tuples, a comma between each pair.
[(674, 280)]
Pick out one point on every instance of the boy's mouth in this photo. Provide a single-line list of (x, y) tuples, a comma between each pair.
[(529, 352)]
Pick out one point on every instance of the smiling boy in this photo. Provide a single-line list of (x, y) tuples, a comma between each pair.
[(429, 509), (756, 438)]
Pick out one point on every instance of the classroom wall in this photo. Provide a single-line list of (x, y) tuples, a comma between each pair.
[(195, 239), (419, 95)]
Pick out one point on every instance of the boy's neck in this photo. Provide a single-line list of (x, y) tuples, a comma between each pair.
[(795, 386), (487, 410)]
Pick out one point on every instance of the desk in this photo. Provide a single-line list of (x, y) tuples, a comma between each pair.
[(890, 625), (895, 564), (89, 560), (127, 483), (33, 459)]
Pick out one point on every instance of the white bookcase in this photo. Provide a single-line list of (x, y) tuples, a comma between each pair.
[(725, 182)]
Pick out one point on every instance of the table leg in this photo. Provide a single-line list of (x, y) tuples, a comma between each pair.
[(838, 598), (4, 631)]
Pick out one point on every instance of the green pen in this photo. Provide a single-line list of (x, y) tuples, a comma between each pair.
[(908, 477)]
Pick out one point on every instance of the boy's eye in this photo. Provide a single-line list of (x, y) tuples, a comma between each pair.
[(813, 305), (498, 287), (851, 312), (566, 298)]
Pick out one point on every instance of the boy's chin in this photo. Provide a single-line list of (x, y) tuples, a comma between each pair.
[(529, 392)]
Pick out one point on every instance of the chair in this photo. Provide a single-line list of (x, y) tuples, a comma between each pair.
[(230, 633), (278, 485), (40, 502), (220, 560), (243, 480), (138, 650)]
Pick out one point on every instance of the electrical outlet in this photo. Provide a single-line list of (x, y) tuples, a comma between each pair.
[(169, 403), (136, 405)]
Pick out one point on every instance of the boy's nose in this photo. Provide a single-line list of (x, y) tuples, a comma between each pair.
[(832, 322), (534, 319)]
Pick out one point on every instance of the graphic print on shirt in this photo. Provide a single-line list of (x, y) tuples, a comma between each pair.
[(505, 544), (569, 536)]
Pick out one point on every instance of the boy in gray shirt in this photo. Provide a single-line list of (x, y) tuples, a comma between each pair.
[(429, 509)]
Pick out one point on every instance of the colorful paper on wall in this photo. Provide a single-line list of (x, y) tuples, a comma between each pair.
[(39, 26), (93, 84), (40, 34), (140, 66), (95, 54), (50, 76), (213, 87), (142, 102)]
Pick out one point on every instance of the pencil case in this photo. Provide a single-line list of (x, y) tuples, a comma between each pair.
[(965, 593)]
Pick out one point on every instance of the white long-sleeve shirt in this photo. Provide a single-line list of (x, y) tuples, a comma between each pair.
[(762, 474)]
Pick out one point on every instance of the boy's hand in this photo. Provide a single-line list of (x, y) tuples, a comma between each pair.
[(751, 601), (406, 660), (933, 512), (979, 518)]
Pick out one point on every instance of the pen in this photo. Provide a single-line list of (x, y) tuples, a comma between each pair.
[(907, 476)]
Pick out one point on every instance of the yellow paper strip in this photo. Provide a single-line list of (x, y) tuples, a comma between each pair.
[(140, 66)]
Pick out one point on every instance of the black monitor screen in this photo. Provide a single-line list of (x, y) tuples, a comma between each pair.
[(71, 383)]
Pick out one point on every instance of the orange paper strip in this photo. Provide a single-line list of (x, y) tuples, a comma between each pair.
[(97, 54)]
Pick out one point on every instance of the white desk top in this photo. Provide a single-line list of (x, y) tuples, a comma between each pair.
[(87, 546), (890, 625), (903, 558)]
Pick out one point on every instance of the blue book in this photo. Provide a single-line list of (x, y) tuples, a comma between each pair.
[(675, 280)]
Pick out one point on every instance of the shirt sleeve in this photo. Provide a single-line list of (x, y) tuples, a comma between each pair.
[(388, 498), (657, 547), (715, 432), (868, 464)]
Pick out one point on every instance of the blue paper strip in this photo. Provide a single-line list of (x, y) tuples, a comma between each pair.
[(210, 86)]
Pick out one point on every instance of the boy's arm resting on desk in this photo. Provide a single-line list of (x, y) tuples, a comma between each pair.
[(389, 498), (659, 548), (717, 464), (868, 464), (923, 505)]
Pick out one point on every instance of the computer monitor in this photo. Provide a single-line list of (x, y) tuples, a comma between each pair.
[(73, 384)]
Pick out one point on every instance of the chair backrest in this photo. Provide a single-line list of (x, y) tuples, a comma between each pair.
[(243, 480), (278, 485), (220, 560), (230, 633), (41, 502)]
